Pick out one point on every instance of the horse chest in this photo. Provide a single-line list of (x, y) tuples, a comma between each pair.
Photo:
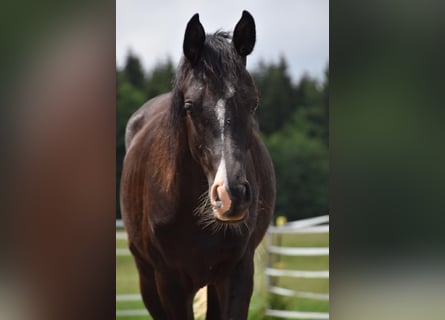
[(202, 254)]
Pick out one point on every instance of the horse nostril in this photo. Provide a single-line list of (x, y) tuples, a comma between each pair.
[(214, 194), (218, 203), (219, 198), (242, 192), (247, 193)]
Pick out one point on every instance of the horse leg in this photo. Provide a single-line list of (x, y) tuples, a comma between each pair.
[(213, 304), (176, 300), (235, 291), (149, 291)]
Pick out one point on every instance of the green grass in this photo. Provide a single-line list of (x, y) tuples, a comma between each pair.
[(127, 281), (127, 278)]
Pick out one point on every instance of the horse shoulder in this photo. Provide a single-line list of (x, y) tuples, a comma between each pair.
[(139, 163)]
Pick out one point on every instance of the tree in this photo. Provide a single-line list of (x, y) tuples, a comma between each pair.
[(159, 79), (133, 71), (312, 115), (277, 95), (308, 92), (301, 167), (325, 102)]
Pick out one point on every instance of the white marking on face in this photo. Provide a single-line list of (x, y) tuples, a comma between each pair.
[(230, 91), (221, 173), (221, 114)]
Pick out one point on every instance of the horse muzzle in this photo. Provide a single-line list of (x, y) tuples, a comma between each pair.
[(230, 205)]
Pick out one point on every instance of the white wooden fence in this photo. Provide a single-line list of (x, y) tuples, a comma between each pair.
[(311, 225)]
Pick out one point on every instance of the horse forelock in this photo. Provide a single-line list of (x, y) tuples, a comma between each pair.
[(219, 63)]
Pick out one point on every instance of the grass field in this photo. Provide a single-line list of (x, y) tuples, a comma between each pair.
[(127, 278)]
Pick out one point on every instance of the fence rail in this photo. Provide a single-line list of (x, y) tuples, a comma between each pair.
[(289, 251), (306, 226), (299, 294), (289, 229), (297, 314), (297, 273)]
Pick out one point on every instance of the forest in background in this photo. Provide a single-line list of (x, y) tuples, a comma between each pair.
[(293, 119)]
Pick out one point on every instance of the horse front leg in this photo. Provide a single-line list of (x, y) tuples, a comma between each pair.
[(176, 299), (235, 291), (148, 287)]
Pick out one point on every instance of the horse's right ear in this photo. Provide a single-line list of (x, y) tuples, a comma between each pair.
[(193, 39), (244, 35)]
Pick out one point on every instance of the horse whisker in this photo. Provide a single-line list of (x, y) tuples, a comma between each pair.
[(207, 219)]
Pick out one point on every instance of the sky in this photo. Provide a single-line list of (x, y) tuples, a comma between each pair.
[(295, 29)]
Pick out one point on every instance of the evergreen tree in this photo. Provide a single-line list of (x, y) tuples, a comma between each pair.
[(159, 79), (133, 71), (325, 102), (308, 92), (301, 168), (311, 116), (277, 96)]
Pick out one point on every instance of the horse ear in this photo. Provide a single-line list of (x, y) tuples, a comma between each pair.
[(244, 35), (193, 39)]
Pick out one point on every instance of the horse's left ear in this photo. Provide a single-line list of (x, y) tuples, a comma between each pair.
[(244, 35), (194, 39)]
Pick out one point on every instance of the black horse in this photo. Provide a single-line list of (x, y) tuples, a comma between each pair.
[(198, 185)]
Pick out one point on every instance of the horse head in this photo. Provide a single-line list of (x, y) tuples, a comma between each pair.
[(218, 98)]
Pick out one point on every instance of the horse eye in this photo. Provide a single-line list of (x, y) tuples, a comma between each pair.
[(188, 105)]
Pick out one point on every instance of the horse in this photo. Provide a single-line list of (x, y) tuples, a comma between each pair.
[(198, 184)]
